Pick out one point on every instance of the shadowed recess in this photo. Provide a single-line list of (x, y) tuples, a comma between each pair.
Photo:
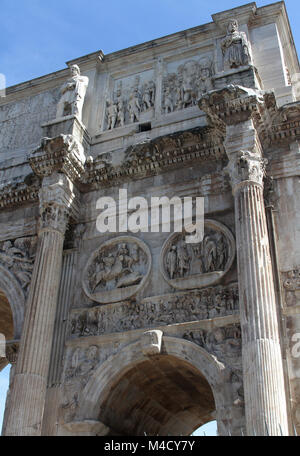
[(160, 396)]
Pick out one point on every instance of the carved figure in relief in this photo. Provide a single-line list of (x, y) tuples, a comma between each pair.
[(169, 107), (112, 113), (147, 103), (121, 112), (72, 94), (188, 71), (134, 107), (204, 82), (179, 93), (210, 253), (221, 252), (152, 91), (172, 261), (183, 260), (235, 47)]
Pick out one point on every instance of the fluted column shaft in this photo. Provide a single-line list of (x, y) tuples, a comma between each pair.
[(30, 380), (265, 400)]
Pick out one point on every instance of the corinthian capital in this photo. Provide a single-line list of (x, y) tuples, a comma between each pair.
[(58, 198), (244, 167)]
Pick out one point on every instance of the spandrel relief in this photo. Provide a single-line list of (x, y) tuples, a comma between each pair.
[(117, 270), (183, 87), (187, 266), (18, 256), (132, 101)]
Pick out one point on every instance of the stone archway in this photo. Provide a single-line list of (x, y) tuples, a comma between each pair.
[(170, 393)]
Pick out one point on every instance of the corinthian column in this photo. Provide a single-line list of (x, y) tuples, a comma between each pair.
[(265, 401), (238, 114), (30, 379)]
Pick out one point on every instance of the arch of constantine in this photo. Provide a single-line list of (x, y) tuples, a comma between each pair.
[(134, 332)]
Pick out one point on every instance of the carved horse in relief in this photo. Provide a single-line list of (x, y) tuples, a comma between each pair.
[(114, 269)]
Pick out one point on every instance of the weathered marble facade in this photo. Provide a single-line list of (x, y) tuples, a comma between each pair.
[(132, 333)]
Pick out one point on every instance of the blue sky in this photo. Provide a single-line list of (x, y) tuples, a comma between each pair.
[(38, 37), (4, 380)]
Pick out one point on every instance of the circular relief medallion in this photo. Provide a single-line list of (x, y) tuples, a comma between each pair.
[(187, 266), (117, 270)]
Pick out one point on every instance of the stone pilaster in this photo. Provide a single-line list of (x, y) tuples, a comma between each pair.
[(265, 401), (28, 394)]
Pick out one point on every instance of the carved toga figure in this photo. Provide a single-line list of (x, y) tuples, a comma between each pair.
[(235, 47), (72, 94)]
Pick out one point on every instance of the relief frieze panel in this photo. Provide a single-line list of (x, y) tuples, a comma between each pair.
[(183, 87), (132, 100), (196, 305)]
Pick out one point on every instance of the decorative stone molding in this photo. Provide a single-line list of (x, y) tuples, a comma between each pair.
[(156, 156), (60, 154), (190, 266), (234, 104), (208, 303), (151, 342), (117, 270), (19, 193)]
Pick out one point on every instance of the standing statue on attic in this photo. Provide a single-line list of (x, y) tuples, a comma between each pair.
[(72, 94), (235, 47)]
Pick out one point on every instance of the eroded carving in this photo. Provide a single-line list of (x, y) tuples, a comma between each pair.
[(117, 270), (163, 310), (196, 265)]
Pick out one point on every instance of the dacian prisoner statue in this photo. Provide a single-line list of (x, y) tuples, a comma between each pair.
[(235, 47), (72, 94)]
